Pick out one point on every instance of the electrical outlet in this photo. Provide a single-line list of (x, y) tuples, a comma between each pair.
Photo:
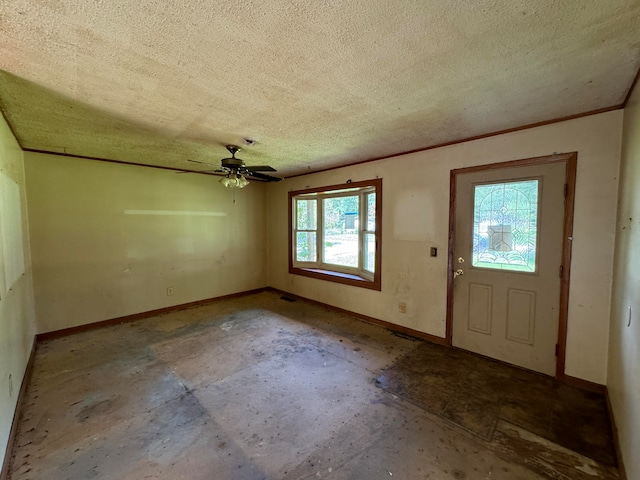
[(402, 307), (169, 291), (434, 252), (10, 386)]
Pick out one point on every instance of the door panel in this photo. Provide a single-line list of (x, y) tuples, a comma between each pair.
[(508, 245), (521, 315), (480, 302)]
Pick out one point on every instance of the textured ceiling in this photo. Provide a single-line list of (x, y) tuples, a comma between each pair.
[(316, 83)]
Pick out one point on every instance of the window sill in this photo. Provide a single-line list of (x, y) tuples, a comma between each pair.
[(338, 277)]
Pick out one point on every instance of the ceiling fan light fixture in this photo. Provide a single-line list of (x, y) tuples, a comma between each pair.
[(234, 180), (241, 182)]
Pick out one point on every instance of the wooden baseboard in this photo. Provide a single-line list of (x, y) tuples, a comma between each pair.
[(616, 440), (583, 384), (17, 414), (376, 321), (64, 332)]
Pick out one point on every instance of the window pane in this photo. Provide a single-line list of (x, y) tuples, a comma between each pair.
[(340, 245), (306, 247), (306, 212), (505, 222), (371, 212), (370, 252)]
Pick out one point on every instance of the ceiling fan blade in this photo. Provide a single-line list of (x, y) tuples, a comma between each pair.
[(200, 171), (260, 168), (264, 177), (203, 163)]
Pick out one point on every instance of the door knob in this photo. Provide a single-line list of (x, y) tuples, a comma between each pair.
[(458, 272)]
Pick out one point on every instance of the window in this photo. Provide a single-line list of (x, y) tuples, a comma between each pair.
[(505, 225), (335, 233)]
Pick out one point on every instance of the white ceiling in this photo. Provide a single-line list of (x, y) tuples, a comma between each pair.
[(316, 83)]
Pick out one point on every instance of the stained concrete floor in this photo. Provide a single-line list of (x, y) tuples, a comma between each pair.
[(258, 387)]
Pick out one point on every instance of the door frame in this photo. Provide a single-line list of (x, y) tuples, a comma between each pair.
[(571, 160)]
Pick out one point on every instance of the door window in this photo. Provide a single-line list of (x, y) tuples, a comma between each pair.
[(505, 225)]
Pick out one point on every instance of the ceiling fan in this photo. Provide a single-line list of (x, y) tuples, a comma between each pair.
[(235, 170)]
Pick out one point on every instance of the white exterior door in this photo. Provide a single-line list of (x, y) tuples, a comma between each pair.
[(507, 257)]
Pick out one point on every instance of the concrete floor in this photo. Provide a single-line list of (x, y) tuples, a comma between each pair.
[(259, 387)]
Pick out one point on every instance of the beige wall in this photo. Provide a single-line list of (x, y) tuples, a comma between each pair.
[(624, 346), (416, 214), (107, 239), (17, 321)]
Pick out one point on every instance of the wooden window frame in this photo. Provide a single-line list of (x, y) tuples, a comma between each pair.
[(354, 277)]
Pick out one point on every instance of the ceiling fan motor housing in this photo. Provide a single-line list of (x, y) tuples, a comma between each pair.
[(234, 167), (232, 163)]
